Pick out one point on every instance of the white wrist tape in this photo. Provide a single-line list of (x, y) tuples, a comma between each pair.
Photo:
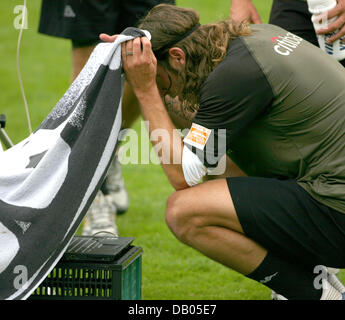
[(193, 169)]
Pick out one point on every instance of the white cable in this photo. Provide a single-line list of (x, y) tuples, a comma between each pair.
[(18, 67)]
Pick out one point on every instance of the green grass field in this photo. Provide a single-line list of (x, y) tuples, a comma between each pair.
[(170, 269)]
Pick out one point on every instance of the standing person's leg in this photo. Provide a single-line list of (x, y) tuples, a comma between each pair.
[(80, 55), (237, 229), (82, 22), (114, 186), (92, 18)]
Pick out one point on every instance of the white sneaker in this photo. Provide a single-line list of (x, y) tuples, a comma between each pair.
[(333, 288), (115, 185), (100, 217), (329, 292), (334, 281)]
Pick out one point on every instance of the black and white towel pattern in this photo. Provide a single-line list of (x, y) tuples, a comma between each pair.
[(49, 180)]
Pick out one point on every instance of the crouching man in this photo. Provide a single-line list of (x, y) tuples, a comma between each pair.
[(273, 103)]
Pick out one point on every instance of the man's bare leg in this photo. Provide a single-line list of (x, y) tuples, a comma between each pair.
[(204, 218)]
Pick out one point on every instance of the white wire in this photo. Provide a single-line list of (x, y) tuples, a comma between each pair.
[(18, 67)]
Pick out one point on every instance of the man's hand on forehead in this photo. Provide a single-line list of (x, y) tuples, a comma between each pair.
[(140, 65), (139, 62)]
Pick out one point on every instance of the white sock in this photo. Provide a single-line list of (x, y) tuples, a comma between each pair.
[(329, 292)]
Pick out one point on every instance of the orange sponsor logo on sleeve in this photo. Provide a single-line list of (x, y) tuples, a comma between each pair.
[(197, 136)]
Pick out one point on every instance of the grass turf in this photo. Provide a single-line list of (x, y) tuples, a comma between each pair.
[(170, 269)]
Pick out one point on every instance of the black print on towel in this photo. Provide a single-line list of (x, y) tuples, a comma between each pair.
[(49, 180)]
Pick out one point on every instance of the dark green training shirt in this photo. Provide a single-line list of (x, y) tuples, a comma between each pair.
[(281, 103)]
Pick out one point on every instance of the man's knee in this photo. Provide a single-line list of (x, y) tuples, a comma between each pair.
[(180, 217)]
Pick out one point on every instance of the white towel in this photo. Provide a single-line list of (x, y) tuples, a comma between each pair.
[(49, 180)]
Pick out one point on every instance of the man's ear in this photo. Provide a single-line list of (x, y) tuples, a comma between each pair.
[(177, 57)]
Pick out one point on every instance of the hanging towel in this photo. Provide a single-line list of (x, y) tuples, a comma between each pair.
[(49, 180)]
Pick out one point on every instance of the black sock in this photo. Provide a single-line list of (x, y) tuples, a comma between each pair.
[(286, 279)]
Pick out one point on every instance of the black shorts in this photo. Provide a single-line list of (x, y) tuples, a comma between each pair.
[(282, 217), (294, 16), (83, 21)]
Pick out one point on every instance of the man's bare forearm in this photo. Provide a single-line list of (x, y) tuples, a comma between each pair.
[(170, 143)]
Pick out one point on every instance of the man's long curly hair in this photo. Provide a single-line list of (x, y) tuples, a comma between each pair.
[(205, 48)]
